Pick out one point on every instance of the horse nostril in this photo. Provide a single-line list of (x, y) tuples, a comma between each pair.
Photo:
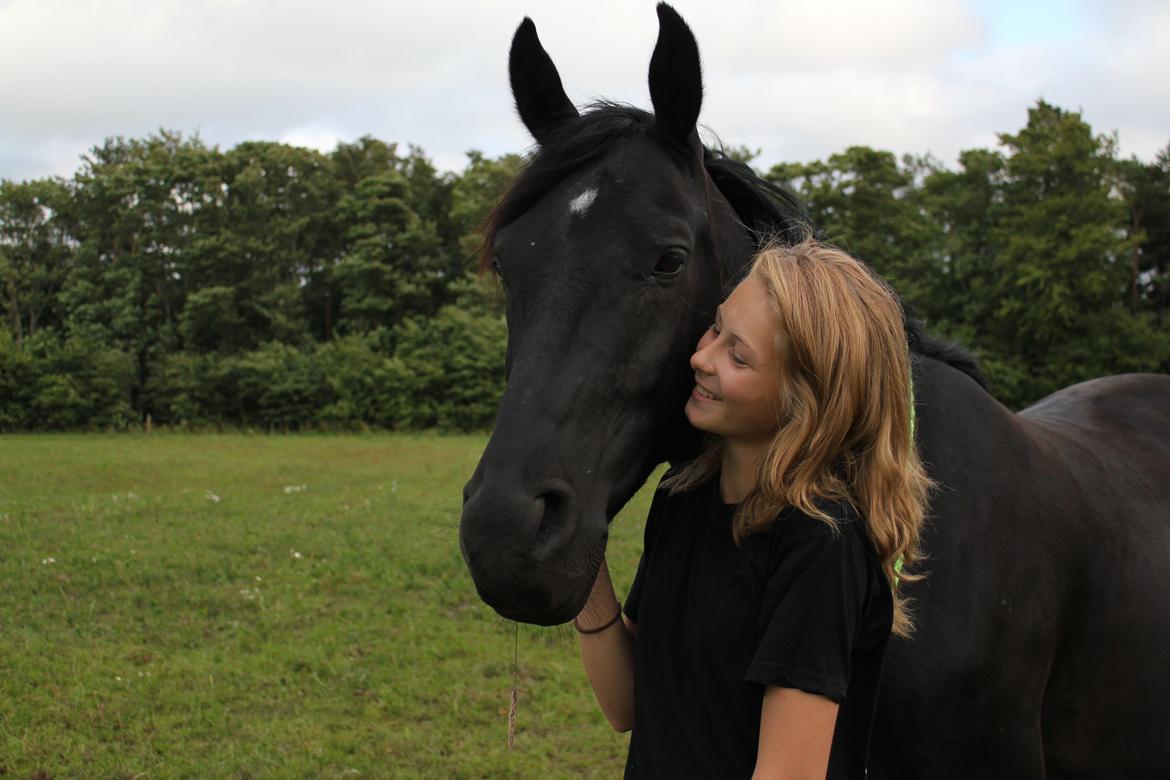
[(557, 523)]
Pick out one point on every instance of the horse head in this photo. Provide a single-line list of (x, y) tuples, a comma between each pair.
[(613, 247)]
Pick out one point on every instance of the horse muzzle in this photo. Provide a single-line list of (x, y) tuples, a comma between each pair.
[(532, 557)]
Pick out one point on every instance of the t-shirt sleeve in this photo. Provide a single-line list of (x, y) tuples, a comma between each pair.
[(812, 612)]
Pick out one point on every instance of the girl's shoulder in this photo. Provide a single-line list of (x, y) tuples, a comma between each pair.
[(841, 526)]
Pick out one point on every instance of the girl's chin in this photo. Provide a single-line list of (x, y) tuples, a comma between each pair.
[(694, 414)]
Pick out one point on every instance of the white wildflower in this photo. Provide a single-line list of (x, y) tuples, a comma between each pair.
[(212, 496), (294, 488), (48, 561), (295, 554)]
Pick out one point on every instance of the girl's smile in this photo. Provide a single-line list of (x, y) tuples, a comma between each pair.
[(704, 394), (737, 370)]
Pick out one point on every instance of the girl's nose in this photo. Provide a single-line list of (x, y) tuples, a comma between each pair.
[(700, 360)]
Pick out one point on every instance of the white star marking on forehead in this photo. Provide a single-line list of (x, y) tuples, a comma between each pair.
[(580, 204)]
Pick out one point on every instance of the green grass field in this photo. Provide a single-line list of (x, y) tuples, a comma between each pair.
[(237, 606)]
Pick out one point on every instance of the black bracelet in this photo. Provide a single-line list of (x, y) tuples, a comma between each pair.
[(599, 629)]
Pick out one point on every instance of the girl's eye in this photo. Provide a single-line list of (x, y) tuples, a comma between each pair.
[(737, 359)]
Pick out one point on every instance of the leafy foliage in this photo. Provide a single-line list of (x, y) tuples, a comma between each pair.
[(445, 372), (280, 287), (34, 252), (1026, 255), (77, 384)]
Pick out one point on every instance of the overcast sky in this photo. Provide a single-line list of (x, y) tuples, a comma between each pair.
[(798, 80)]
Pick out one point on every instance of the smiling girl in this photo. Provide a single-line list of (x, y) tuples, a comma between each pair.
[(755, 629)]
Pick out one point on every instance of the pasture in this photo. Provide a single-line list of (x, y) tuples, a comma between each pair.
[(249, 606)]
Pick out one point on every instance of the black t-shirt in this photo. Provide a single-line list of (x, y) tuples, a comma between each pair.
[(796, 606)]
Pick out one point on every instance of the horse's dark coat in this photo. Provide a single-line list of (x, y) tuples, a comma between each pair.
[(1044, 623)]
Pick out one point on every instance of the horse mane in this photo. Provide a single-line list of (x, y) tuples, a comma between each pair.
[(767, 211)]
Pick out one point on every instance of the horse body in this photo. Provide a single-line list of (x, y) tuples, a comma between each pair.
[(1105, 705), (1045, 616), (1043, 620)]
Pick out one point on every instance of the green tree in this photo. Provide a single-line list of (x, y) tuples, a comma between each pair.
[(1060, 262), (866, 202), (188, 389), (1146, 189), (211, 320), (352, 162), (74, 384), (963, 204), (481, 185), (1037, 269), (134, 215), (276, 232), (393, 264), (366, 387), (1059, 253), (278, 386), (454, 369), (19, 374), (35, 253)]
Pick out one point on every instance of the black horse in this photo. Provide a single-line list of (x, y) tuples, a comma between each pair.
[(1043, 645)]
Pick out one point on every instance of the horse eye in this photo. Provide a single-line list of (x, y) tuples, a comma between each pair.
[(670, 263), (495, 266)]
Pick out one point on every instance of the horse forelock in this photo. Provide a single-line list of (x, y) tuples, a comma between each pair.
[(571, 146)]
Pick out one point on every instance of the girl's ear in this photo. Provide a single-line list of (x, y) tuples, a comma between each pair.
[(536, 85), (676, 80)]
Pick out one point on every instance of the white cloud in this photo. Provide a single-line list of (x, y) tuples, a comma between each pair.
[(800, 80), (834, 34), (322, 139)]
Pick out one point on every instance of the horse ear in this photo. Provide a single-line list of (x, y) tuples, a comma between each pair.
[(676, 78), (536, 85)]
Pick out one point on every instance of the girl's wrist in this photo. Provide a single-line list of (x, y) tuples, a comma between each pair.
[(588, 628), (602, 604)]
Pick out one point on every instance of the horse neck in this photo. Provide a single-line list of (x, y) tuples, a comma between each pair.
[(952, 407)]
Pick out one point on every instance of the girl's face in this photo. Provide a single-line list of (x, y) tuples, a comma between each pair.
[(737, 370)]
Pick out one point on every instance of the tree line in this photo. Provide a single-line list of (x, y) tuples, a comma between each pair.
[(284, 288)]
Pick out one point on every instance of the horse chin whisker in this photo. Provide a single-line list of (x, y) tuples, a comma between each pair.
[(550, 636)]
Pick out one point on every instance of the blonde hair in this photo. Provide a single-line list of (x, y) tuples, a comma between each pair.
[(844, 412)]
